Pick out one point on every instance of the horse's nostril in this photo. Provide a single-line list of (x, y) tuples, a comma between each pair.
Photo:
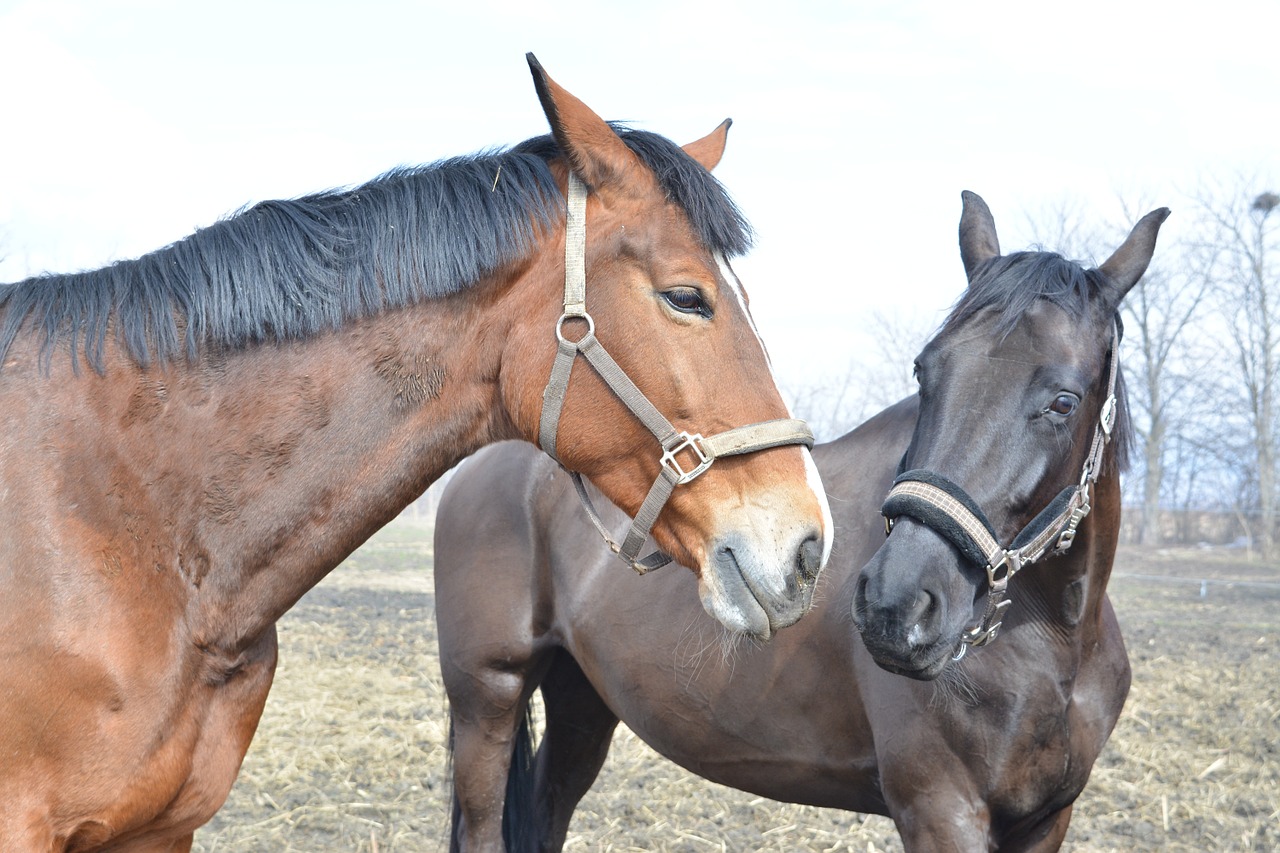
[(922, 609), (859, 610), (809, 560)]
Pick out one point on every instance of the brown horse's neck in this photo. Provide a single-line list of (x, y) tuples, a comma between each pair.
[(251, 474)]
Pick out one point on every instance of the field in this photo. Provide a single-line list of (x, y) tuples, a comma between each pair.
[(350, 754)]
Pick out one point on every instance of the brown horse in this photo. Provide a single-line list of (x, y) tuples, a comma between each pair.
[(190, 441), (989, 757)]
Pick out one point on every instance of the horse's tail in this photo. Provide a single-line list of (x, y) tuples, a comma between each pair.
[(518, 832)]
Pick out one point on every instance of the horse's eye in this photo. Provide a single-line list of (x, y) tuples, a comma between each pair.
[(687, 300), (1064, 404)]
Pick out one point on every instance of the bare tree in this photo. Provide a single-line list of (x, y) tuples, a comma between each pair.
[(877, 375), (1067, 226), (1164, 364), (1242, 237)]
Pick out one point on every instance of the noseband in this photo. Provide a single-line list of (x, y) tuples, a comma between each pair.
[(700, 451), (949, 511)]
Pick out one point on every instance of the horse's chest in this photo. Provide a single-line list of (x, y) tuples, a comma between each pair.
[(1043, 763)]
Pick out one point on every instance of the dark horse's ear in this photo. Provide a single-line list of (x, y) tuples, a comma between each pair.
[(1126, 266), (709, 149), (595, 152), (978, 242)]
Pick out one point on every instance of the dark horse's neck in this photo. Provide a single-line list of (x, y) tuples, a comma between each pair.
[(1062, 598)]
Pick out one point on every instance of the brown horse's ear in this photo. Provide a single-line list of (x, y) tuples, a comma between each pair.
[(595, 152), (709, 149), (978, 242), (1130, 261)]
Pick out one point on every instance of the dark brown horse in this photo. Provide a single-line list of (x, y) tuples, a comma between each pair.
[(988, 757), (191, 440)]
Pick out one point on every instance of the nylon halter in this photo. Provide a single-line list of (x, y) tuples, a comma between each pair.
[(699, 450), (948, 510)]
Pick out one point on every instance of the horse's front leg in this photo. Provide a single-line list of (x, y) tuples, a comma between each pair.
[(1046, 836), (941, 820)]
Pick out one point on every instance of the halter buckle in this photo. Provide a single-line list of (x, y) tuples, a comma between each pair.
[(1011, 562), (1068, 534), (989, 628), (680, 442)]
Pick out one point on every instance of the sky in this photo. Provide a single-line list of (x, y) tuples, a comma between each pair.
[(126, 124)]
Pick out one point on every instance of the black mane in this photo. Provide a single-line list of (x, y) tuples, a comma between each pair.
[(283, 270), (1011, 284)]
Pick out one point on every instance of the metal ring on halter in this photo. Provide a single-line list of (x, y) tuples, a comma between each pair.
[(591, 327)]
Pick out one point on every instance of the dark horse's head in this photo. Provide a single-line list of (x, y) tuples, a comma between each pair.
[(1011, 389)]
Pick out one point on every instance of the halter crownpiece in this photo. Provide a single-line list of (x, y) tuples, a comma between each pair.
[(675, 443), (949, 511)]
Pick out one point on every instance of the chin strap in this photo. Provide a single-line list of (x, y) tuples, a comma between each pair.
[(698, 452), (949, 511)]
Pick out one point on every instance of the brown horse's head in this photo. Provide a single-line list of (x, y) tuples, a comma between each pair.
[(1011, 389), (668, 308)]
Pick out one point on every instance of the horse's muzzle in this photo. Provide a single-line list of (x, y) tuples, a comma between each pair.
[(912, 602), (755, 592)]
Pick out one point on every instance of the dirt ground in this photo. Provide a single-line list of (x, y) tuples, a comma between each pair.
[(350, 753)]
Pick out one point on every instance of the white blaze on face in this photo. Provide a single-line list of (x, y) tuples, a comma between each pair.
[(731, 279), (811, 470), (828, 523)]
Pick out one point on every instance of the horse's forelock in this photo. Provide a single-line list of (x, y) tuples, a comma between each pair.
[(717, 221), (1011, 284)]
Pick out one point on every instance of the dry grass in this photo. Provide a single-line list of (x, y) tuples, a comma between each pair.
[(1194, 764), (350, 754)]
